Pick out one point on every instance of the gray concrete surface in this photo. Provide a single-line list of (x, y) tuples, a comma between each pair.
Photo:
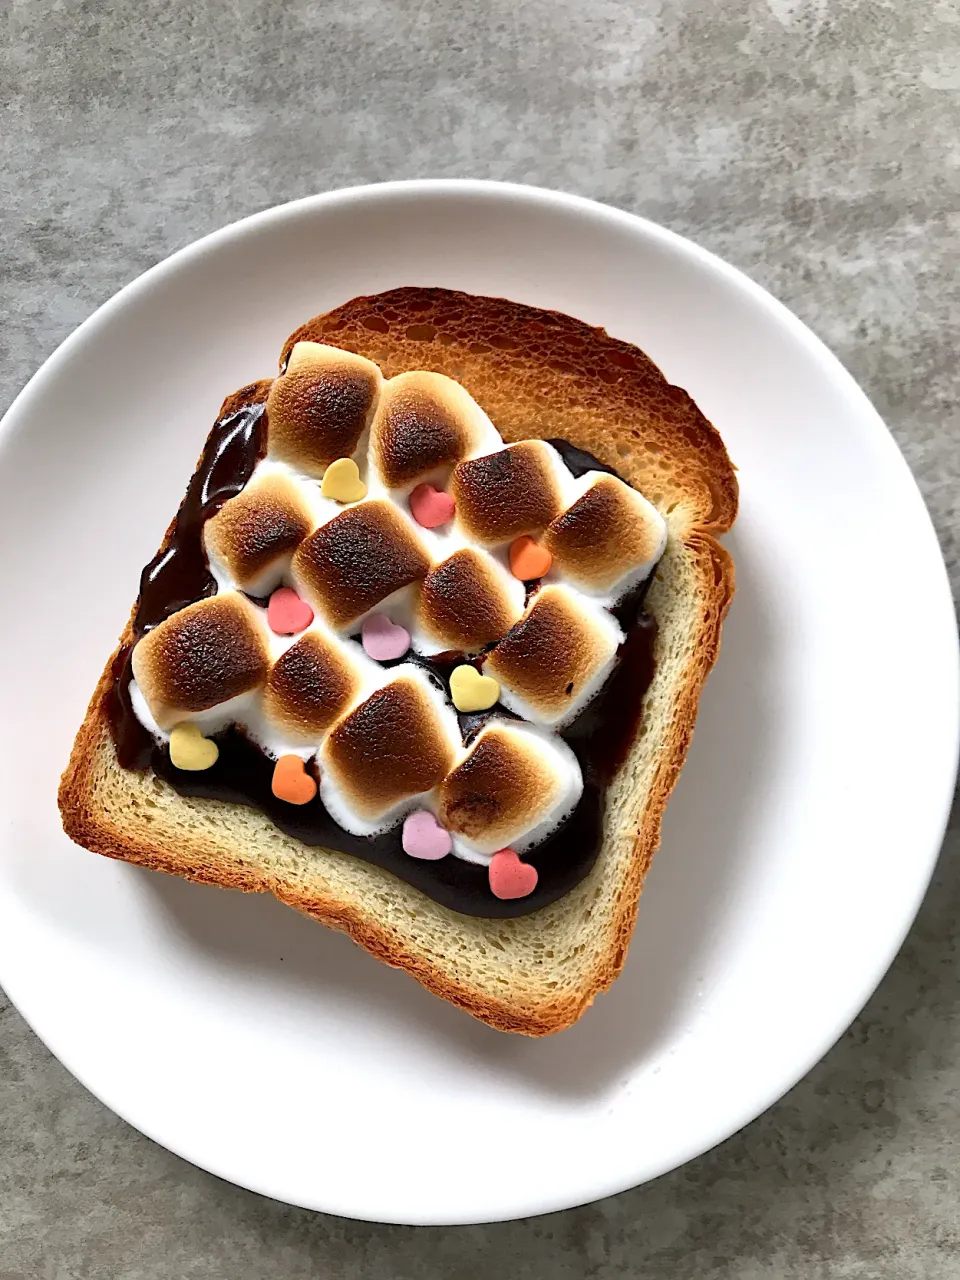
[(811, 142)]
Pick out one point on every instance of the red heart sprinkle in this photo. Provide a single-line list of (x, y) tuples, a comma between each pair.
[(431, 507), (509, 877), (287, 613)]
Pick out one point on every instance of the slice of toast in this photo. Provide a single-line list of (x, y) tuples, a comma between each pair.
[(537, 374)]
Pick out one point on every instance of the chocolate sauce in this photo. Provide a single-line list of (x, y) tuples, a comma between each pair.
[(179, 574), (600, 737), (578, 462)]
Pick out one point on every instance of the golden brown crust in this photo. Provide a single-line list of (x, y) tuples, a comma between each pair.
[(600, 394), (714, 566), (573, 381)]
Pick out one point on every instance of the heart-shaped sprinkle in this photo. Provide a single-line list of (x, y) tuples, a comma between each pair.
[(431, 507), (341, 481), (471, 691), (190, 750), (291, 782), (528, 560), (509, 877), (382, 639), (287, 613), (423, 836)]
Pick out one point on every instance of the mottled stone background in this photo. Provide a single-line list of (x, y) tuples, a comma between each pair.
[(814, 143)]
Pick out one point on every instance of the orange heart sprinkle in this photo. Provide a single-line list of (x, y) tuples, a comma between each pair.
[(528, 560), (291, 782)]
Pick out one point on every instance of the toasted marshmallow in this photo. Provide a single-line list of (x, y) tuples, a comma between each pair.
[(311, 685), (395, 746), (425, 424), (320, 407), (608, 540), (250, 540), (553, 662), (466, 602), (206, 654), (516, 785), (516, 490), (357, 560)]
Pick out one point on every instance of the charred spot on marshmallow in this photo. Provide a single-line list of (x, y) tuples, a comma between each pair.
[(351, 563), (608, 533), (201, 656), (391, 747), (425, 421), (466, 603), (555, 657), (504, 787), (310, 685), (506, 493), (257, 529), (319, 408)]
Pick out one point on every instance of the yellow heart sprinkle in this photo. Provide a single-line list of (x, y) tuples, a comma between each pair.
[(471, 691), (189, 749), (341, 481)]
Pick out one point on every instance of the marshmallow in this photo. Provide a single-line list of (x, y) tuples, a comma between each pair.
[(425, 423), (387, 743), (250, 540), (396, 745), (311, 685), (201, 656), (557, 658), (515, 490), (516, 785), (354, 562), (466, 602), (608, 540), (319, 408)]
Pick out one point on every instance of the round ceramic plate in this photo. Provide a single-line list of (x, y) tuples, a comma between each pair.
[(796, 848)]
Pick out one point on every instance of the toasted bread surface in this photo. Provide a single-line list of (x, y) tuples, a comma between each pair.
[(537, 374)]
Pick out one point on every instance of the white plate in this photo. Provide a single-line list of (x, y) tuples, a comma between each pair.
[(796, 849)]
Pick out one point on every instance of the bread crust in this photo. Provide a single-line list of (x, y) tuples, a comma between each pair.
[(537, 374)]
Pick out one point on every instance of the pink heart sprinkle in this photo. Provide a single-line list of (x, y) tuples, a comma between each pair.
[(509, 877), (431, 507), (423, 836), (287, 613), (382, 639)]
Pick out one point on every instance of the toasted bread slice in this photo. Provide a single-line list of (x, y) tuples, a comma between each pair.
[(537, 374)]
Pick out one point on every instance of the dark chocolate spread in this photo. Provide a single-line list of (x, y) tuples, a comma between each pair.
[(600, 736)]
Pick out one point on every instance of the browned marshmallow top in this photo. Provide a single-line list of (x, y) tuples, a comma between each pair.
[(390, 747), (464, 602), (554, 653), (351, 563), (309, 687), (319, 408), (503, 787), (425, 422), (201, 656), (504, 494), (605, 534), (258, 528), (387, 740)]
